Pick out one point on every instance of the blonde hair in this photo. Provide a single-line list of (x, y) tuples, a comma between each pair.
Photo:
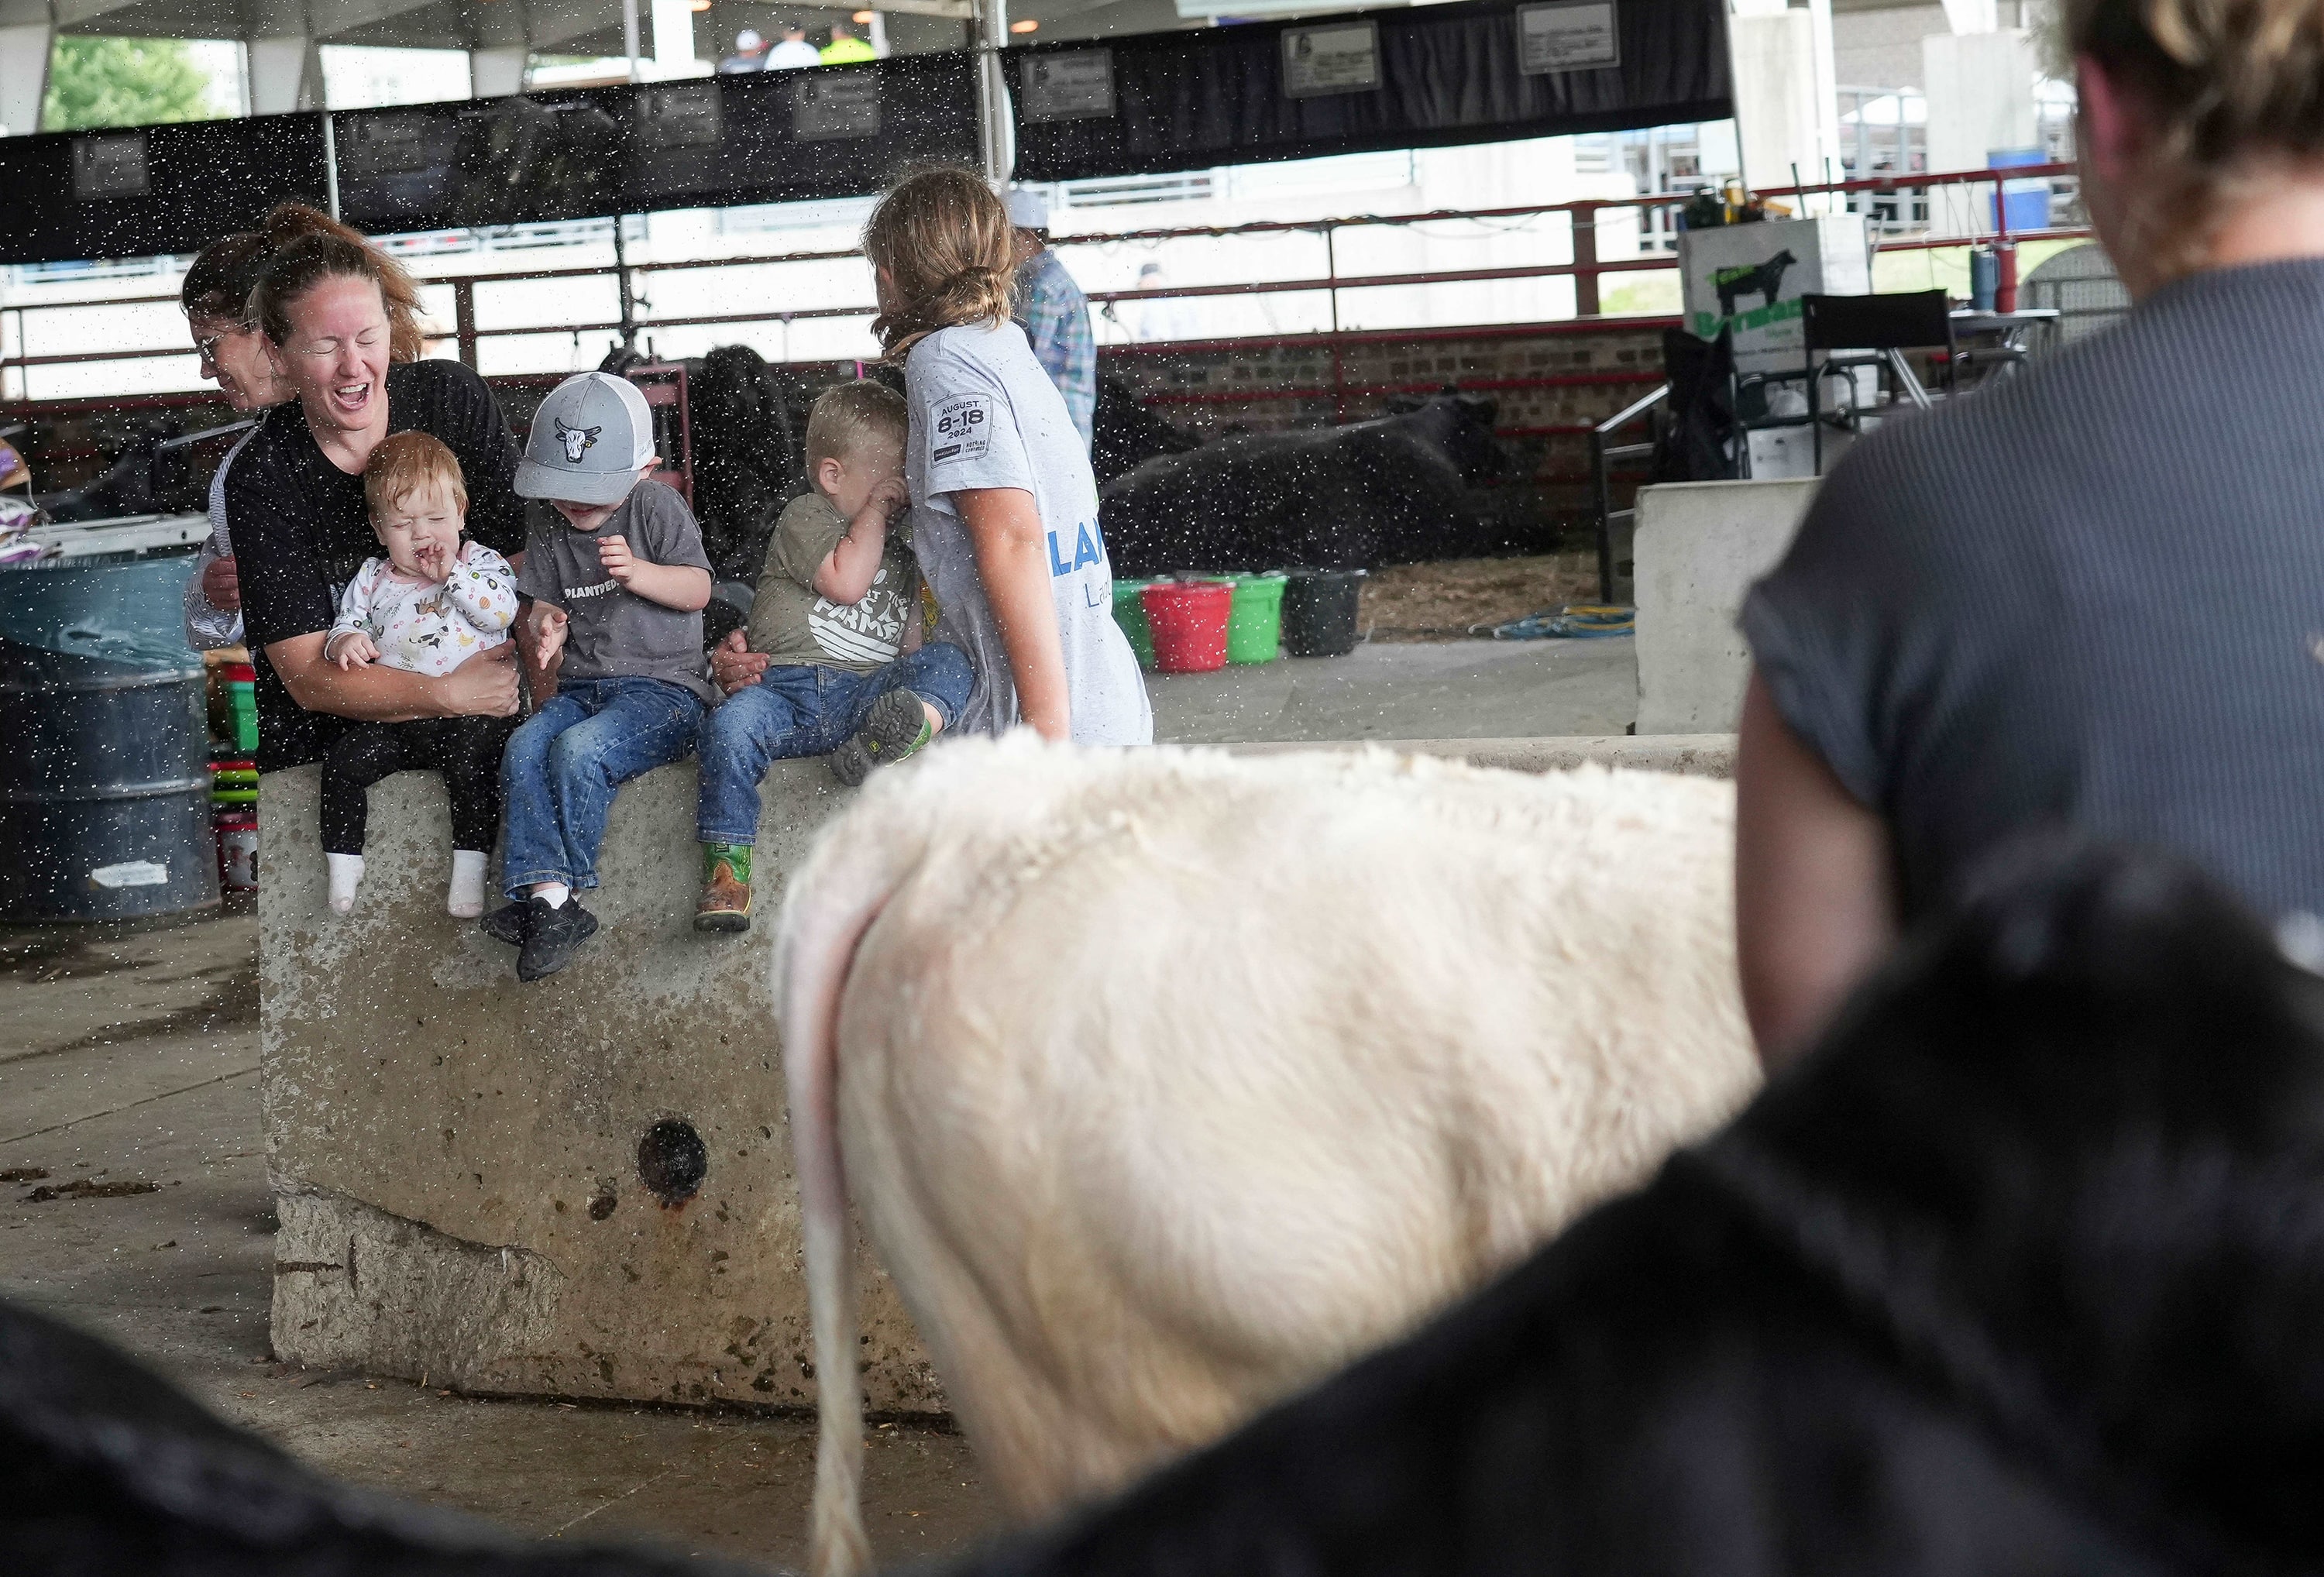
[(406, 462), (845, 416), (2233, 89), (950, 252)]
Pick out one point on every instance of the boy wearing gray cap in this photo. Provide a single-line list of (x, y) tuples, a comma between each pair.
[(617, 579)]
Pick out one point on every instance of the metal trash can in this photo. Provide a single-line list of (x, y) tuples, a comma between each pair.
[(104, 765)]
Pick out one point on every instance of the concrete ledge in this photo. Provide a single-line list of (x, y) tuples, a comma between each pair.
[(1690, 755), (457, 1157)]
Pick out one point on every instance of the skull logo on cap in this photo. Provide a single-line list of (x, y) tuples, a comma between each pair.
[(577, 441)]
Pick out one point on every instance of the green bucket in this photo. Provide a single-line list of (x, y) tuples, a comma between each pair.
[(1130, 615), (1255, 630)]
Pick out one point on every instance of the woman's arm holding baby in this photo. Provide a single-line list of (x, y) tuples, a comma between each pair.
[(673, 585), (483, 686)]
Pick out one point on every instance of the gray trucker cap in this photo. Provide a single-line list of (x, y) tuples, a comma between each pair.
[(589, 439)]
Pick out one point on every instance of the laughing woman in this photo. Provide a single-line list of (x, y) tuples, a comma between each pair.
[(295, 498), (215, 297)]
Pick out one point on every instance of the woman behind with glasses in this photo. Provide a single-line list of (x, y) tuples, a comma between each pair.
[(215, 298)]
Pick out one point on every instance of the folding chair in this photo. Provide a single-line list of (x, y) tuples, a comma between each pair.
[(1885, 326)]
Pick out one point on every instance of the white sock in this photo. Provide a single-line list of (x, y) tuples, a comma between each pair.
[(552, 894), (466, 898), (346, 873)]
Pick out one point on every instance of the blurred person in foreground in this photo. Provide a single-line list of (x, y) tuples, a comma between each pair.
[(1053, 311), (2091, 598)]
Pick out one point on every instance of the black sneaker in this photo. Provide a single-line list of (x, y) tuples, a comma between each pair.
[(895, 728), (552, 936), (506, 924)]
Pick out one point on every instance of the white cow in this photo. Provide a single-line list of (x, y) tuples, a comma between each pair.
[(1167, 1082)]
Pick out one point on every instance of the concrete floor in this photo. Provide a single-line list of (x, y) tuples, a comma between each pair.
[(128, 1067), (1462, 689)]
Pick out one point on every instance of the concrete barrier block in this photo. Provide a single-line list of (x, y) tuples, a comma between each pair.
[(457, 1156), (1699, 545)]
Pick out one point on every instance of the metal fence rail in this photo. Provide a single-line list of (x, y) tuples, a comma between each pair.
[(1585, 266)]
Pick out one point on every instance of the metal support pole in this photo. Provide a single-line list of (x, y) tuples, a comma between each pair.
[(330, 164), (464, 320), (996, 133), (1601, 487), (1338, 366), (1585, 262), (630, 35), (621, 282)]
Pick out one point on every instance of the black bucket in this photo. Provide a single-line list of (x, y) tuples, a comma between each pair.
[(1319, 612), (104, 773)]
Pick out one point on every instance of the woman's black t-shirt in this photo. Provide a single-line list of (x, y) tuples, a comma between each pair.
[(301, 529)]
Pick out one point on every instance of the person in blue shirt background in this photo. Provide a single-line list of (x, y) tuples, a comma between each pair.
[(750, 54), (1053, 311)]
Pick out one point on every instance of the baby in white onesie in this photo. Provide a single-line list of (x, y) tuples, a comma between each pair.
[(432, 603)]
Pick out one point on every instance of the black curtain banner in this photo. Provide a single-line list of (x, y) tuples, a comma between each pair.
[(1484, 72), (757, 137), (153, 189), (1488, 70)]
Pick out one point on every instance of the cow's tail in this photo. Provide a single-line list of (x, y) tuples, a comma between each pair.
[(829, 907)]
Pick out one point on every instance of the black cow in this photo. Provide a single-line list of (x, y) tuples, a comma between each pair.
[(2023, 1271), (1389, 491), (144, 479), (1762, 280), (747, 461), (1125, 433), (106, 1469)]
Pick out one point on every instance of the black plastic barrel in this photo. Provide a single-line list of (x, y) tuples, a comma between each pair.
[(1319, 612), (104, 765)]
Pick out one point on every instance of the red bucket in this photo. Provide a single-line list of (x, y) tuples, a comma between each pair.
[(1189, 620)]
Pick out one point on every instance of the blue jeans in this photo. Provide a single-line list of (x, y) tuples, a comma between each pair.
[(805, 711), (559, 772)]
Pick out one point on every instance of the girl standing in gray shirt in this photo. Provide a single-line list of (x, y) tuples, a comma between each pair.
[(1004, 504)]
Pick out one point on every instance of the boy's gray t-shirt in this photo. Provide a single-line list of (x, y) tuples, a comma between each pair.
[(985, 415), (614, 633)]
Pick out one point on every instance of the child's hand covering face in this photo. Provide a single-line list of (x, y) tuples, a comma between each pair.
[(421, 532), (871, 473)]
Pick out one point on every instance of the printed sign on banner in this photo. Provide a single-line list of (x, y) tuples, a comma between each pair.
[(370, 146), (110, 166), (825, 105), (1343, 58), (1076, 85), (1751, 277), (1567, 35), (683, 116)]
